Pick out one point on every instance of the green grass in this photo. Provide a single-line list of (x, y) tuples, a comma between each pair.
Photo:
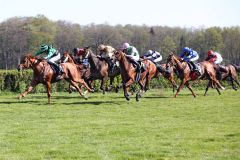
[(107, 127)]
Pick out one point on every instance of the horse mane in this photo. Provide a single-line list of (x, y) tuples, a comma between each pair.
[(30, 55)]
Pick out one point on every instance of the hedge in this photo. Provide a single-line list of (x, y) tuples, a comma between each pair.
[(14, 81)]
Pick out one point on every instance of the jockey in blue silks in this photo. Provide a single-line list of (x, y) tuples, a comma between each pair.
[(190, 56)]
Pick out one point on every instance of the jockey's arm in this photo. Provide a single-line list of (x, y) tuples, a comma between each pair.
[(214, 58), (182, 55), (51, 52)]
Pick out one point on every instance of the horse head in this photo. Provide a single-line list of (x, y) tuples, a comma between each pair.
[(26, 61), (67, 57), (119, 54), (170, 59)]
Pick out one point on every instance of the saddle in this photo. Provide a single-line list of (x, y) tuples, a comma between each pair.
[(196, 71)]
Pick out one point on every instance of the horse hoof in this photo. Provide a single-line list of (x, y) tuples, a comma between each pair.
[(137, 98), (127, 98), (20, 97)]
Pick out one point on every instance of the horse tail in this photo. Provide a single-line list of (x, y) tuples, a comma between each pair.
[(236, 67)]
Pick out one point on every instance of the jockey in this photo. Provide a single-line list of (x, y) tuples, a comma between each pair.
[(155, 57), (53, 56), (80, 57), (190, 56), (106, 53), (216, 58), (133, 55)]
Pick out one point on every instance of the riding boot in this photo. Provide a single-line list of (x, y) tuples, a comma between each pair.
[(194, 67), (138, 70)]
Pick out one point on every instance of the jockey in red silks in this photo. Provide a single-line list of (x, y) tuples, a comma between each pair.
[(216, 58), (80, 57)]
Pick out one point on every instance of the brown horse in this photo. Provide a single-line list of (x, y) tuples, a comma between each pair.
[(206, 72), (99, 69), (128, 74), (85, 71), (43, 73), (66, 57), (232, 75)]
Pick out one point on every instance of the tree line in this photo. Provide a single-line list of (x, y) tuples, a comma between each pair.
[(21, 35)]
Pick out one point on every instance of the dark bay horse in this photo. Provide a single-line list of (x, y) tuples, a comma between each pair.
[(231, 74), (207, 72), (99, 69), (43, 73), (128, 74)]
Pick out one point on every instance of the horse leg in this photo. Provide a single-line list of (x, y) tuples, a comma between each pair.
[(232, 83), (29, 89), (48, 84), (75, 84), (190, 88), (214, 86), (174, 84), (219, 93), (215, 81), (209, 84), (126, 88), (111, 84), (139, 93), (180, 87), (103, 83)]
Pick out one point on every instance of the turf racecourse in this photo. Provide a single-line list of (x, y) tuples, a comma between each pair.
[(106, 127)]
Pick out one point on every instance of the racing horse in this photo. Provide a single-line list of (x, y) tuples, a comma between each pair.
[(44, 73), (128, 74), (85, 71), (99, 69), (207, 71)]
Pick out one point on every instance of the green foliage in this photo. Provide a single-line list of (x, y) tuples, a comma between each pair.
[(19, 36), (214, 39)]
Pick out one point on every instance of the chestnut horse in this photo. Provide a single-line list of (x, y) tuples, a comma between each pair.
[(43, 73), (206, 72), (230, 73), (99, 69), (128, 74), (85, 71)]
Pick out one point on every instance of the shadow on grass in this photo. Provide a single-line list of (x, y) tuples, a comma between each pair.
[(53, 102), (93, 102)]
